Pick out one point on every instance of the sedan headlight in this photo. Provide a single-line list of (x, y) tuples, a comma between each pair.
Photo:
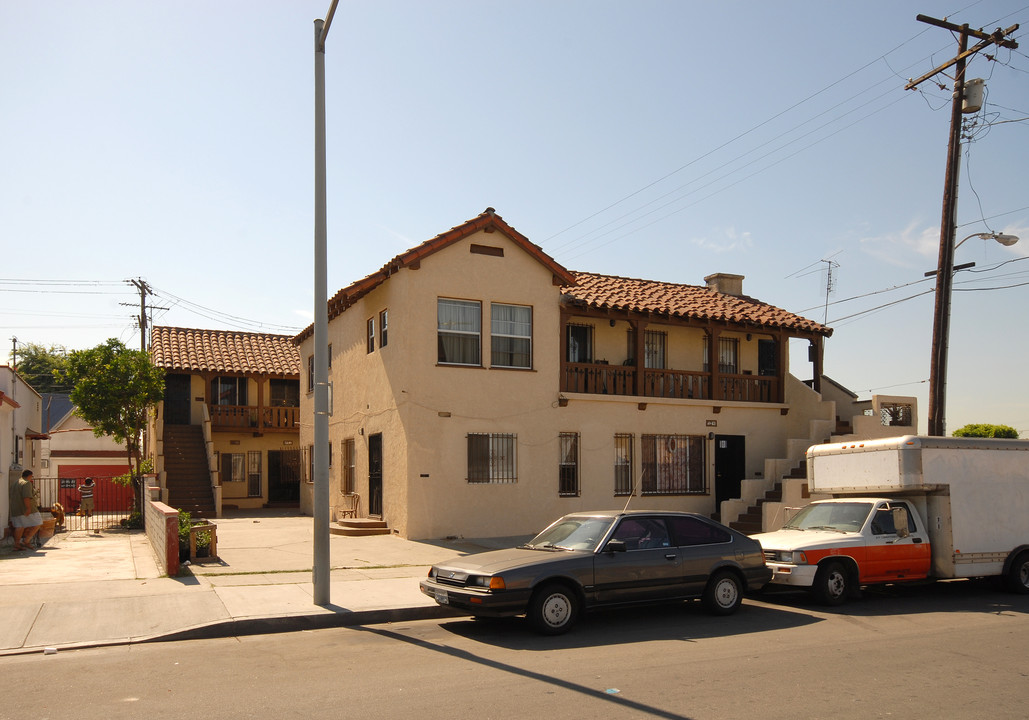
[(490, 582)]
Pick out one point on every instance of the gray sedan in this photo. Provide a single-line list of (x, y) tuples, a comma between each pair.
[(595, 559)]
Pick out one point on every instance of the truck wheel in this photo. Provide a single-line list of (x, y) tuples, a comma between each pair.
[(830, 586), (553, 609), (1018, 575), (723, 593)]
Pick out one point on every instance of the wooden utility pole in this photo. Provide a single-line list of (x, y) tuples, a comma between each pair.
[(945, 267)]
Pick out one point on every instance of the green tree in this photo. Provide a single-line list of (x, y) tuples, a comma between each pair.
[(114, 390), (983, 430), (42, 367)]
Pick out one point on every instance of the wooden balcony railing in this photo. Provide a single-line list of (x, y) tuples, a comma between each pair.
[(598, 379), (603, 379), (681, 384), (252, 417)]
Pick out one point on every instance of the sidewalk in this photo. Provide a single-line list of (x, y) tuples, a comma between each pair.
[(85, 590)]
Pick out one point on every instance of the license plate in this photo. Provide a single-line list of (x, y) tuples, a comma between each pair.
[(441, 597)]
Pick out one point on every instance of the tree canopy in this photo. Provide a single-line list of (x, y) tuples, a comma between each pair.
[(43, 367), (114, 391), (984, 430)]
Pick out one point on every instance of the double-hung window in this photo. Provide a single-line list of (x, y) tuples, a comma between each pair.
[(511, 336), (568, 470), (371, 335), (383, 327), (492, 458), (459, 327)]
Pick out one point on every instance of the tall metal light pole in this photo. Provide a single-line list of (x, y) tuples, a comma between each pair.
[(320, 572)]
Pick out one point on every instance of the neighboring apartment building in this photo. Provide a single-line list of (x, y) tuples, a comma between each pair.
[(20, 423), (227, 432), (482, 389)]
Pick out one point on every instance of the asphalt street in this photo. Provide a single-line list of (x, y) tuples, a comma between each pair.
[(947, 650)]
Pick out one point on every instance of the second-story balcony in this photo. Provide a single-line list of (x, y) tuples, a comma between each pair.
[(253, 418), (604, 379)]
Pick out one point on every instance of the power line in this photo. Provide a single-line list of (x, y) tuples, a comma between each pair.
[(741, 136)]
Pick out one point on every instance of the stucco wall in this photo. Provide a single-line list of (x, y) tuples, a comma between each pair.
[(425, 411)]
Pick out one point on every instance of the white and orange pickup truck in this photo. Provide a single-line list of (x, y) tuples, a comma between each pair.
[(904, 509)]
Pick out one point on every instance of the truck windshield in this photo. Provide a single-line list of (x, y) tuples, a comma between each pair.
[(572, 533), (835, 516)]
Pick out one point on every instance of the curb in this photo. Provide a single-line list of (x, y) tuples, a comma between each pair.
[(267, 625)]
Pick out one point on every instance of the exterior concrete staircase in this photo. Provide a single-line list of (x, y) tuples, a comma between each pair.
[(188, 478), (764, 501)]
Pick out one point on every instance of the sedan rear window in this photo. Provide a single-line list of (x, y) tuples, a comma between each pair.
[(693, 531)]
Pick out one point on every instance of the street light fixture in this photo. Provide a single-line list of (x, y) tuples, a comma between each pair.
[(320, 568), (941, 331)]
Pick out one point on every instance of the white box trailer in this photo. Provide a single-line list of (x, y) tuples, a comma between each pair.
[(907, 508)]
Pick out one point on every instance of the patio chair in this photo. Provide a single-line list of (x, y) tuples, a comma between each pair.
[(348, 506)]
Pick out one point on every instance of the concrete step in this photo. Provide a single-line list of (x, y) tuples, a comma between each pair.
[(359, 527)]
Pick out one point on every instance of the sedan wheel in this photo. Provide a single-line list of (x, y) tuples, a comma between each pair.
[(723, 593), (553, 609)]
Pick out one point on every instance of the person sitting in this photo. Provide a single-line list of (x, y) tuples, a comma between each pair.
[(24, 512)]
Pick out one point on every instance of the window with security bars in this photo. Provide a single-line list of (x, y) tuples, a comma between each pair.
[(654, 349), (492, 458), (253, 473), (728, 356), (673, 465), (568, 469), (348, 467), (895, 414), (624, 464)]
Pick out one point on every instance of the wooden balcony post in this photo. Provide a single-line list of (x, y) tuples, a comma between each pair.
[(818, 357), (639, 328), (717, 392), (260, 401), (782, 345)]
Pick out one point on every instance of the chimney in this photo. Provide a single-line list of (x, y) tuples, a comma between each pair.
[(725, 283)]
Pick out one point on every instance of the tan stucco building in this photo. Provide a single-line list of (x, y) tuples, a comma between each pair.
[(227, 432), (481, 389)]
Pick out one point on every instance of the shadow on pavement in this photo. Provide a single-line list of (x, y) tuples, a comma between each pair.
[(685, 621), (984, 595)]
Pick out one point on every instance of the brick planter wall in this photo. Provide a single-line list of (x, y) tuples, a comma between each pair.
[(162, 528)]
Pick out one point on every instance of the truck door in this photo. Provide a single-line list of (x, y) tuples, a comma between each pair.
[(891, 557)]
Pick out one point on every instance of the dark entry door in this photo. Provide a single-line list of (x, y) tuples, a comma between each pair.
[(730, 467), (375, 475), (284, 476), (176, 399)]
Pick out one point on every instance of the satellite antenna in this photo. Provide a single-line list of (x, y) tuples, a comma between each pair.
[(830, 286)]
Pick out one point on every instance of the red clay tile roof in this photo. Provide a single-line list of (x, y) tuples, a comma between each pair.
[(224, 351), (683, 301), (488, 221)]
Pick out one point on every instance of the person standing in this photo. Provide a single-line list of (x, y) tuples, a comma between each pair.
[(24, 512), (86, 493)]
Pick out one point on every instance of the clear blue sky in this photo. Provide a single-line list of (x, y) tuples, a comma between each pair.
[(663, 140)]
